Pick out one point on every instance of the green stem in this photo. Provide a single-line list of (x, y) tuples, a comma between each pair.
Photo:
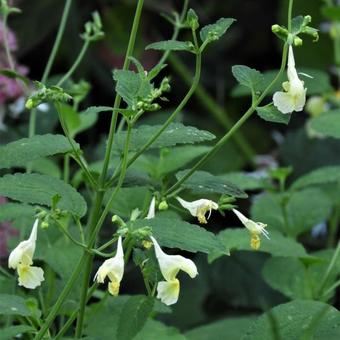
[(331, 288), (333, 227), (61, 30), (66, 174), (107, 244), (290, 12), (75, 64), (230, 133), (215, 110), (6, 43)]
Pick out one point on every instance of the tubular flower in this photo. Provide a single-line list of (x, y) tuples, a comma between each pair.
[(170, 265), (113, 268), (21, 259), (199, 208), (294, 97), (152, 209), (255, 229)]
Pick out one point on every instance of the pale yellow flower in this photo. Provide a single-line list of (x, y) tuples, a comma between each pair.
[(199, 208), (294, 96), (255, 229), (170, 265), (112, 268), (21, 259)]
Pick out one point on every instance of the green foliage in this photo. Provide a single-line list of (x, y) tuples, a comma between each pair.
[(175, 133), (174, 233), (23, 151), (204, 182), (215, 31), (13, 305), (171, 45), (40, 189), (12, 74), (331, 12), (272, 114), (15, 331), (245, 181), (327, 124), (134, 315), (248, 77), (11, 211), (294, 319)]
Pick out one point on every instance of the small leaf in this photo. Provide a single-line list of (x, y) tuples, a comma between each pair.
[(217, 30), (14, 75), (13, 305), (327, 124), (204, 182), (40, 189), (174, 233), (175, 133), (171, 45), (96, 109), (247, 76), (272, 114), (133, 316), (25, 150)]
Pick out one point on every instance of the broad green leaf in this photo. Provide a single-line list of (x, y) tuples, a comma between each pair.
[(272, 114), (316, 85), (293, 319), (13, 305), (155, 330), (247, 76), (175, 133), (174, 233), (217, 30), (327, 174), (131, 86), (25, 150), (46, 166), (245, 181), (204, 182), (133, 316), (40, 189), (11, 211), (15, 332), (331, 12), (327, 124), (233, 328), (171, 45), (278, 245)]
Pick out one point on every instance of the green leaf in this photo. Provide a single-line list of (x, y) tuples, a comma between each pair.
[(233, 326), (293, 319), (244, 181), (331, 12), (97, 109), (327, 174), (174, 233), (131, 86), (25, 150), (46, 166), (217, 30), (14, 75), (278, 245), (272, 114), (247, 76), (155, 330), (327, 124), (15, 332), (40, 189), (11, 211), (175, 133), (171, 45), (204, 182), (13, 305), (133, 316)]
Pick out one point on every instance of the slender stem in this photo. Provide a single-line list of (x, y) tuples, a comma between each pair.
[(66, 174), (237, 125), (329, 269), (6, 42), (210, 104), (75, 64), (61, 30), (107, 244), (331, 288), (290, 12), (6, 273)]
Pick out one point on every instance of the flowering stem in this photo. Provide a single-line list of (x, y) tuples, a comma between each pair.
[(6, 43)]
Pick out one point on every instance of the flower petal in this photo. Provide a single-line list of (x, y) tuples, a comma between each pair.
[(151, 212), (30, 277), (168, 292), (284, 102)]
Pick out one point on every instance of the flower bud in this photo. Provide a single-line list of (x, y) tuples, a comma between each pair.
[(29, 104), (297, 41), (192, 19), (118, 220), (163, 205)]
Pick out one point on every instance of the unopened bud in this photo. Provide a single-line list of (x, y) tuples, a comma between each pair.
[(44, 225), (192, 19), (118, 220), (163, 205), (306, 20), (29, 104), (297, 41)]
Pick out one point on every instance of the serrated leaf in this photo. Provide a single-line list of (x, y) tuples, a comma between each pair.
[(216, 30), (175, 133), (25, 150), (204, 182), (174, 233), (327, 174), (292, 319), (131, 86), (327, 124), (40, 189), (245, 181), (13, 305), (171, 45), (247, 76), (272, 114), (133, 316), (10, 211)]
